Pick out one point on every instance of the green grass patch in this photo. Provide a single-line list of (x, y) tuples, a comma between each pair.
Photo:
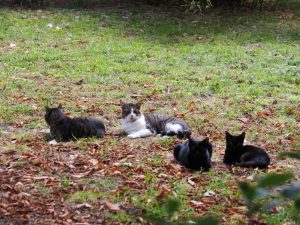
[(84, 196), (101, 184), (43, 190)]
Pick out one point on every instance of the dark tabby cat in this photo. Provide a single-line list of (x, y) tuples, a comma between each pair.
[(195, 155), (244, 155), (137, 124), (64, 128)]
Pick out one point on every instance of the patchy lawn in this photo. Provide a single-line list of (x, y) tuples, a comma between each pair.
[(218, 72)]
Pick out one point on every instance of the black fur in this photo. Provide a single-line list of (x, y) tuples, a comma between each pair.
[(64, 128), (195, 155), (244, 155)]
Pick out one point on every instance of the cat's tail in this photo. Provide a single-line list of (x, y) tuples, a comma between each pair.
[(184, 133), (100, 133), (254, 164)]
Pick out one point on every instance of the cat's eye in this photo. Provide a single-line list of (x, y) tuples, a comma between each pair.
[(126, 111), (136, 111)]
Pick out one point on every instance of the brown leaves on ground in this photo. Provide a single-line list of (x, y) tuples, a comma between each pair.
[(31, 181), (112, 207), (37, 179)]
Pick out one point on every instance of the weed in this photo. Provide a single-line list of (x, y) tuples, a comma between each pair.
[(101, 184), (19, 164), (43, 190), (84, 196), (65, 184), (166, 142), (157, 160)]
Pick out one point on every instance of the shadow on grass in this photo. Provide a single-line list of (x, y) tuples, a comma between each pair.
[(165, 26)]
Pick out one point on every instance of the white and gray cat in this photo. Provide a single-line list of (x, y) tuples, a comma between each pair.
[(137, 125)]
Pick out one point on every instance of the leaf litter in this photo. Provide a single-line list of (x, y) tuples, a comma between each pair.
[(46, 165)]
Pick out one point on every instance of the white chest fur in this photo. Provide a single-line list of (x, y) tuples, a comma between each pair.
[(133, 127)]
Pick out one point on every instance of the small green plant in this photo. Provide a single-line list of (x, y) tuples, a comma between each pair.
[(43, 190), (65, 184), (101, 184), (168, 216), (82, 144), (22, 136), (268, 193), (166, 142), (19, 163), (157, 160), (84, 196), (12, 148), (149, 177)]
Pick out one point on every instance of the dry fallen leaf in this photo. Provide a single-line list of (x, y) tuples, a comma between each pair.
[(83, 205), (209, 193), (80, 175), (111, 206), (163, 175), (196, 203), (94, 162), (141, 177), (191, 182), (243, 119), (163, 193)]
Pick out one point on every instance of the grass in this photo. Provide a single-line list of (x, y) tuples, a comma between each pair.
[(101, 184), (221, 72), (65, 184), (12, 148), (84, 196), (43, 190), (277, 218)]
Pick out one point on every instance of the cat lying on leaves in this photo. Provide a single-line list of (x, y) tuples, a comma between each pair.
[(195, 155), (136, 124), (64, 128), (244, 155)]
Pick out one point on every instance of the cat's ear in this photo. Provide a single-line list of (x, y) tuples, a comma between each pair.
[(138, 105), (242, 135), (122, 103), (206, 140), (60, 106), (228, 135)]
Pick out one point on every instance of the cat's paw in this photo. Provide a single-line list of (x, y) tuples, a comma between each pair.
[(53, 142), (133, 136), (165, 137)]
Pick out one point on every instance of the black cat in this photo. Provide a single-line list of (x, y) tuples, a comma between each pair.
[(195, 155), (244, 155), (64, 128)]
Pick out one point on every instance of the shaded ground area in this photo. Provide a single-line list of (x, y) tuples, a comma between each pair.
[(218, 73)]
